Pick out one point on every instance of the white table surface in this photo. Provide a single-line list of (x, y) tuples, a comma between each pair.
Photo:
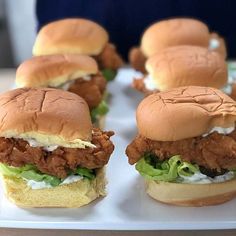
[(6, 83)]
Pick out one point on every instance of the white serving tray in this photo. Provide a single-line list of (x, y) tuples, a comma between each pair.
[(126, 207)]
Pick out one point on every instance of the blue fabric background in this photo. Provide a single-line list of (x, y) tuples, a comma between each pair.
[(126, 19)]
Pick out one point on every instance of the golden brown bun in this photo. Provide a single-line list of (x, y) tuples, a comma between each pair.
[(77, 35), (75, 194), (173, 32), (222, 45), (54, 70), (191, 194), (187, 65), (50, 116), (184, 112)]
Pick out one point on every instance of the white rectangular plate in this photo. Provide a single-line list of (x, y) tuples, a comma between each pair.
[(126, 207)]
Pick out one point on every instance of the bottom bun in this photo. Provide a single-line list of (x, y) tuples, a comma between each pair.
[(191, 194), (75, 194)]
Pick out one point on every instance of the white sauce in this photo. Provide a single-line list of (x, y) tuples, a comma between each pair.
[(199, 178), (149, 83), (87, 77), (228, 89), (37, 185), (230, 79), (220, 130), (41, 184), (214, 43), (50, 148), (66, 85), (71, 179), (77, 143), (34, 143)]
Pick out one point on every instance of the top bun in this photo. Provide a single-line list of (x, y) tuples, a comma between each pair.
[(50, 116), (79, 36), (187, 65), (184, 112), (173, 32), (54, 70)]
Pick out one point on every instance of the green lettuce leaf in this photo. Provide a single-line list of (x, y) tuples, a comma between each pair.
[(14, 171), (85, 173), (100, 110), (109, 74), (30, 172), (168, 170), (38, 177)]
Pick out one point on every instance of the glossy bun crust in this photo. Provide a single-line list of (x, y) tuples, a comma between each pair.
[(172, 32), (54, 70), (184, 112), (52, 115), (79, 36), (187, 65)]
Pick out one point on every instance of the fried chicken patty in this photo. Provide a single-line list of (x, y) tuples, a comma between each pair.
[(91, 91), (139, 85), (215, 151), (233, 93), (137, 60), (109, 58), (17, 152)]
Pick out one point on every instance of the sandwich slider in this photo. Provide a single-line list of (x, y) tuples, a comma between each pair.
[(174, 32), (183, 66), (79, 36), (71, 72), (50, 155), (185, 147)]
